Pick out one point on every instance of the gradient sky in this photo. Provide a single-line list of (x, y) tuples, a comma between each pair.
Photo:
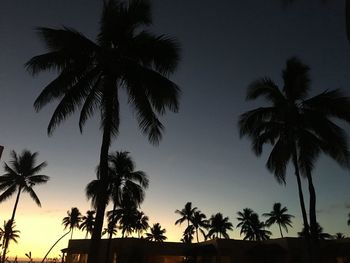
[(225, 46)]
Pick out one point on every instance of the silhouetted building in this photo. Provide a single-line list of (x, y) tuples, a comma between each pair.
[(282, 250)]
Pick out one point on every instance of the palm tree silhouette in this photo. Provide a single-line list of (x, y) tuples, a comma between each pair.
[(187, 236), (87, 222), (125, 216), (298, 128), (111, 229), (200, 223), (186, 214), (72, 220), (21, 175), (8, 233), (156, 233), (339, 236), (125, 56), (218, 226), (320, 235), (251, 226), (279, 216), (141, 223)]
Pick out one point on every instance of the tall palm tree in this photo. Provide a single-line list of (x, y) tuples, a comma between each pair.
[(87, 222), (8, 233), (72, 220), (251, 226), (279, 216), (91, 74), (156, 233), (186, 214), (218, 226), (298, 128), (200, 223), (21, 175)]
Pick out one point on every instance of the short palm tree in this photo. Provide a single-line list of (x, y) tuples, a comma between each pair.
[(218, 226), (21, 175), (156, 233), (251, 226), (72, 220), (320, 235), (141, 223), (87, 222), (8, 233), (199, 223), (279, 216), (339, 236), (91, 74), (186, 214), (298, 128), (123, 182), (187, 236), (110, 230)]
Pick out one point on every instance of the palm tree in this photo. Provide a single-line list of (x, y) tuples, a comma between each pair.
[(111, 229), (186, 214), (218, 226), (123, 185), (156, 233), (21, 175), (349, 219), (72, 220), (9, 234), (298, 128), (279, 216), (87, 222), (187, 236), (244, 218), (251, 226), (141, 223), (320, 235), (339, 236), (199, 223), (91, 74)]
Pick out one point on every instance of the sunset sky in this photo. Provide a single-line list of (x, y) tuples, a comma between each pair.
[(226, 45)]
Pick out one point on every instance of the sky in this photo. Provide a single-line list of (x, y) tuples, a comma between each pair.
[(226, 45)]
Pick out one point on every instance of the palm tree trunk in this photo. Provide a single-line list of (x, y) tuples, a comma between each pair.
[(300, 191), (71, 234), (48, 252), (101, 199), (197, 235), (7, 239), (111, 233), (279, 225), (313, 220)]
